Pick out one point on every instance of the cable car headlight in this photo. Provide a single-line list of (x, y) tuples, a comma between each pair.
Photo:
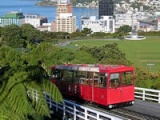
[(132, 102)]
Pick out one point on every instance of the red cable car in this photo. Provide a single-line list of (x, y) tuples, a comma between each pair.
[(107, 85)]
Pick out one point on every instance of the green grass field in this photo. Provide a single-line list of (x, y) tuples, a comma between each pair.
[(141, 53)]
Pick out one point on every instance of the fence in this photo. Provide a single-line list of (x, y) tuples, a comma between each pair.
[(147, 94), (75, 110), (80, 112)]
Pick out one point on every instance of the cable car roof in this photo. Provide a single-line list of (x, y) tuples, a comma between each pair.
[(93, 67)]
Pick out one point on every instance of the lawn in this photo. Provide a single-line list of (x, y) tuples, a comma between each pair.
[(143, 53)]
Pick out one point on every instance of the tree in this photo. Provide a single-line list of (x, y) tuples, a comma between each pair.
[(9, 56), (27, 30), (0, 31), (86, 31), (11, 36), (81, 57), (49, 55), (125, 29), (31, 34), (107, 54), (15, 84)]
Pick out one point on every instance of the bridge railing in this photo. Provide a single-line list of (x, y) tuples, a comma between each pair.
[(75, 110), (147, 94)]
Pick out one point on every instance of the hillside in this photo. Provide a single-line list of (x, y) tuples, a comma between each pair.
[(53, 3)]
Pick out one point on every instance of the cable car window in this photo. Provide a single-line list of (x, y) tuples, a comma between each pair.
[(103, 81), (96, 79), (90, 78), (67, 76), (127, 78), (114, 80), (82, 77), (75, 76), (99, 79)]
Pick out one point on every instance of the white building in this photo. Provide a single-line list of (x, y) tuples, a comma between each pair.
[(126, 19), (143, 1), (132, 19), (104, 24), (35, 19), (45, 27)]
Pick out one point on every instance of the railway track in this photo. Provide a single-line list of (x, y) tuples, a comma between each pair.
[(132, 115), (128, 114), (122, 111)]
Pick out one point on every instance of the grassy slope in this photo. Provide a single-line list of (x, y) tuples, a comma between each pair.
[(140, 53)]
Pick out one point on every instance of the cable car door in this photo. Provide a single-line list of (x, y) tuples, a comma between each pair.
[(115, 92), (89, 87)]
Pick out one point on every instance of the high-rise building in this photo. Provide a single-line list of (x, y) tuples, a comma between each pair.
[(64, 6), (64, 21), (106, 8), (15, 17)]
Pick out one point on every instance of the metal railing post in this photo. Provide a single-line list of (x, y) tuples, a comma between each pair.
[(64, 110), (159, 97), (50, 102), (85, 114), (74, 107), (143, 95), (97, 116)]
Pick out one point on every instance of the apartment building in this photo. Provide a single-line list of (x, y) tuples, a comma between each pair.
[(64, 6), (64, 21)]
